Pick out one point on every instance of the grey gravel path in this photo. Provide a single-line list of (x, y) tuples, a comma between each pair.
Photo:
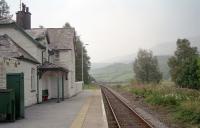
[(51, 114)]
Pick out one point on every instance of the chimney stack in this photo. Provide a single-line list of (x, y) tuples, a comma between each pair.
[(23, 17)]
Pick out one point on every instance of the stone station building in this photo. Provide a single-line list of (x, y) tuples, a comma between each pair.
[(45, 57)]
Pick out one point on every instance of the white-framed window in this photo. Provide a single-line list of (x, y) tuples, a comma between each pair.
[(33, 77)]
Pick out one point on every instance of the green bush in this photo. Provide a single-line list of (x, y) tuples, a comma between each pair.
[(183, 103), (158, 99), (189, 111), (139, 92), (118, 86)]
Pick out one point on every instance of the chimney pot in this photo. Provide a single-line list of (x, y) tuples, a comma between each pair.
[(27, 9), (23, 18), (23, 7)]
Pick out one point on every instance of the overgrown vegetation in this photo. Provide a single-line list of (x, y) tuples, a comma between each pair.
[(183, 103), (90, 86)]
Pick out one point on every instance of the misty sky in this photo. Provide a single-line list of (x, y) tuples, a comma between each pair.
[(118, 27)]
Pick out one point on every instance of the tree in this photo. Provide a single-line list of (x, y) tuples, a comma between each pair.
[(86, 62), (78, 60), (4, 10), (199, 68), (184, 67), (67, 25), (146, 67), (41, 26)]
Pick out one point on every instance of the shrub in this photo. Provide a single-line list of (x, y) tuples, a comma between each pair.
[(118, 86), (164, 100), (189, 111), (184, 103)]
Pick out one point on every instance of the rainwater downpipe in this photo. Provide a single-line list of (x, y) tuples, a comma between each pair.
[(58, 89), (43, 56), (38, 101), (38, 91)]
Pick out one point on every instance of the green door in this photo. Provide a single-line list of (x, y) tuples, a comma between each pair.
[(15, 81)]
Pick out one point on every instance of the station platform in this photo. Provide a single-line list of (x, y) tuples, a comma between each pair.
[(92, 113), (84, 110)]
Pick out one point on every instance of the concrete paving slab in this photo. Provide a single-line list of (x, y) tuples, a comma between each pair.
[(92, 114), (51, 114)]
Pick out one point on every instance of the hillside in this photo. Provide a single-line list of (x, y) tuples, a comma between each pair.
[(120, 72), (117, 72), (164, 68)]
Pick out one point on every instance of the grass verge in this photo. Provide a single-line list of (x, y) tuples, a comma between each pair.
[(90, 86), (184, 104)]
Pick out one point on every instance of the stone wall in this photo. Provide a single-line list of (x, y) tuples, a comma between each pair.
[(79, 87), (30, 97)]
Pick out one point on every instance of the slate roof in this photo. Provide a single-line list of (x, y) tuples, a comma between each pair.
[(8, 22), (37, 33), (58, 38), (61, 38), (46, 66), (9, 48)]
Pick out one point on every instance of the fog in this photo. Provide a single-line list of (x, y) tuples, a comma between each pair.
[(118, 27)]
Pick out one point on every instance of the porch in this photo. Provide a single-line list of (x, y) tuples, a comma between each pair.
[(52, 82)]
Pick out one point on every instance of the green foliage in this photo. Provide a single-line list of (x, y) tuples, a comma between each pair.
[(199, 68), (41, 26), (4, 9), (158, 99), (146, 67), (79, 49), (67, 25), (120, 72), (189, 111), (184, 66), (86, 62), (90, 86), (183, 103)]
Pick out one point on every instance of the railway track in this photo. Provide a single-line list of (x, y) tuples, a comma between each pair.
[(119, 114)]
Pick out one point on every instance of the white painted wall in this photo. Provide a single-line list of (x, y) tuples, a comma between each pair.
[(25, 67), (67, 60)]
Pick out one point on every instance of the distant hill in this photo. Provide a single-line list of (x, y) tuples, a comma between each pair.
[(117, 72), (121, 72), (99, 65), (164, 68), (120, 68)]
